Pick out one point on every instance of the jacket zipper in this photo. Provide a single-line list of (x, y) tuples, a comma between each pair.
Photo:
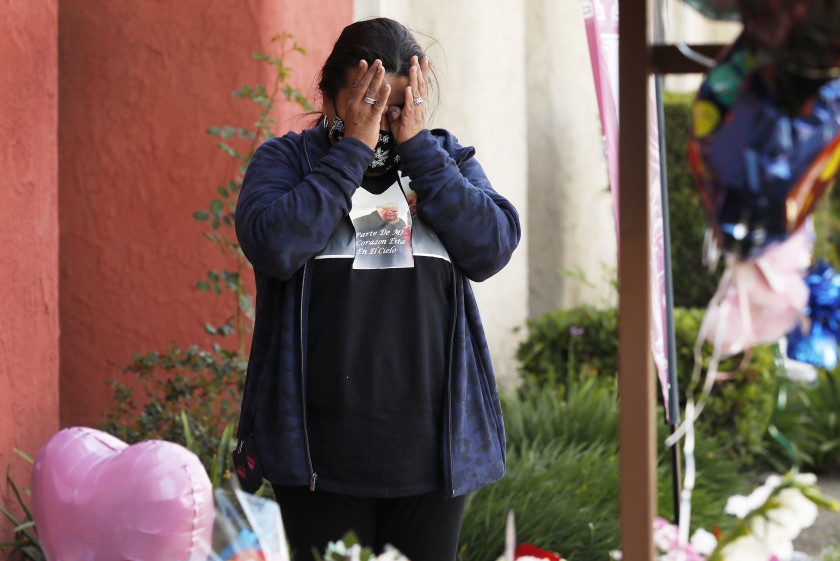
[(449, 378), (313, 477)]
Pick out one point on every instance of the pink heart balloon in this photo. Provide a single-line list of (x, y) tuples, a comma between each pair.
[(95, 498)]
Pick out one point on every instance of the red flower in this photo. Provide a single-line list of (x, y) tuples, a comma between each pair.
[(528, 550)]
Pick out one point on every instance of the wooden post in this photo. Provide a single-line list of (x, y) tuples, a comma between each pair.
[(637, 435)]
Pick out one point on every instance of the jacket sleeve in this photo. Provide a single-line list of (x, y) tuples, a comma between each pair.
[(284, 217), (479, 227)]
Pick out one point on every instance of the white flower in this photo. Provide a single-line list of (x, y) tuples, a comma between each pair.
[(803, 509), (740, 506), (779, 525), (391, 553), (748, 548), (703, 542), (336, 547), (807, 479)]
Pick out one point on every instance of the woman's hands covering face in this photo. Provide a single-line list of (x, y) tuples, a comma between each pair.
[(405, 123), (361, 118)]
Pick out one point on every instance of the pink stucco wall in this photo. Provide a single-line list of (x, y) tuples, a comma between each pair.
[(140, 81), (28, 233)]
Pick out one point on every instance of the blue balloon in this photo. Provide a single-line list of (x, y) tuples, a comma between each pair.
[(815, 342)]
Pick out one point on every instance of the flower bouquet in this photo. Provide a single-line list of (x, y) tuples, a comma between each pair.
[(769, 519)]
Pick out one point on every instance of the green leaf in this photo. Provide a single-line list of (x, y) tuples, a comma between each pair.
[(230, 151), (214, 131), (24, 526), (188, 437), (201, 215), (216, 207), (24, 455), (209, 329), (18, 496), (11, 517), (223, 192), (203, 285), (16, 543)]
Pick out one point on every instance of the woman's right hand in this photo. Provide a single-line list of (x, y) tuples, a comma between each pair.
[(362, 119)]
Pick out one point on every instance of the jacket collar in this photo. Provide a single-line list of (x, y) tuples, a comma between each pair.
[(316, 143)]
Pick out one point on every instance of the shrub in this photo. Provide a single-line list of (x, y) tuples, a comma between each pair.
[(564, 498), (693, 287), (585, 340), (811, 423), (561, 342), (24, 540), (188, 396), (562, 481)]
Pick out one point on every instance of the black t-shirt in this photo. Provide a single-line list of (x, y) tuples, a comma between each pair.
[(377, 360)]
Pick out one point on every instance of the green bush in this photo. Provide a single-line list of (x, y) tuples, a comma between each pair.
[(24, 542), (584, 340), (562, 481), (555, 345), (811, 423), (693, 287), (188, 396)]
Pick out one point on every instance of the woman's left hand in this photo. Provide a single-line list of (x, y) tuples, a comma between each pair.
[(406, 123)]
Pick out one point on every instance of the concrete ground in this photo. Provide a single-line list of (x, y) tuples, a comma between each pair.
[(826, 531)]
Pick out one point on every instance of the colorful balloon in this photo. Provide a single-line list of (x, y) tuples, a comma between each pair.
[(95, 498), (760, 171)]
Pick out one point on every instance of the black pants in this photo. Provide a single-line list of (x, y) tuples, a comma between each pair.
[(423, 527)]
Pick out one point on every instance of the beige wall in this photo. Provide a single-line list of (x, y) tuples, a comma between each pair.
[(571, 227), (480, 62)]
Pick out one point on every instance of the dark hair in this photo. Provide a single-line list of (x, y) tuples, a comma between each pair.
[(371, 39)]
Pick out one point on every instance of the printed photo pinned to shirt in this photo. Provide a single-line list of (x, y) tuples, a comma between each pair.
[(383, 229), (424, 240)]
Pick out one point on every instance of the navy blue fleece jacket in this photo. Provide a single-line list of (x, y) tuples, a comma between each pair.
[(296, 191)]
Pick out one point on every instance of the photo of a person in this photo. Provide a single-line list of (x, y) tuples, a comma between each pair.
[(386, 214), (411, 197), (383, 236)]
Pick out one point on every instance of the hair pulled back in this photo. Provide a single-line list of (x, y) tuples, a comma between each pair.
[(379, 38)]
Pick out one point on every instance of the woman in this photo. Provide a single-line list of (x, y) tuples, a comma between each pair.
[(370, 396)]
